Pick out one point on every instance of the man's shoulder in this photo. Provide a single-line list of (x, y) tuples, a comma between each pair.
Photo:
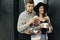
[(22, 13), (34, 12)]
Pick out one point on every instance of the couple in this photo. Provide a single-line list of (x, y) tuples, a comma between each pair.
[(30, 22)]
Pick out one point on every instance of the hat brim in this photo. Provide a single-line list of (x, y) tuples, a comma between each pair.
[(40, 4)]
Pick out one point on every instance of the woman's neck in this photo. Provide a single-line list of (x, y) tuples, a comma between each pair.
[(41, 15)]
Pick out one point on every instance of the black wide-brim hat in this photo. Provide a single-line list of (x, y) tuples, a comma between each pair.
[(36, 8)]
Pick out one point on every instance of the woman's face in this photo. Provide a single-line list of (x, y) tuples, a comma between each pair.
[(41, 10)]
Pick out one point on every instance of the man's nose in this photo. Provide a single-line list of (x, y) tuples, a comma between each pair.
[(30, 7)]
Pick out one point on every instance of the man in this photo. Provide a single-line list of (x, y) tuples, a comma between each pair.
[(25, 19)]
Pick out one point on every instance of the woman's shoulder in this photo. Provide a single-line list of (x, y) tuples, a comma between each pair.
[(47, 17)]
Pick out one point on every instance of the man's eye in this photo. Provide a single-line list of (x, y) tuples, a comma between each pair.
[(28, 6)]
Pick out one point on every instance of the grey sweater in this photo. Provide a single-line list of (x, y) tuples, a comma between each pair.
[(22, 25)]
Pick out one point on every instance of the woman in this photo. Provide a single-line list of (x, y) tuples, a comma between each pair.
[(40, 27)]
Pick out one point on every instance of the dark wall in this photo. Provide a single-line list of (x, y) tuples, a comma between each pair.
[(21, 6), (6, 20), (54, 13), (9, 12), (18, 8)]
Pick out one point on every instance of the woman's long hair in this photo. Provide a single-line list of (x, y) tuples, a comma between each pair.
[(36, 8)]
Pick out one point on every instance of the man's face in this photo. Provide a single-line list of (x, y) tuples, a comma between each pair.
[(29, 7)]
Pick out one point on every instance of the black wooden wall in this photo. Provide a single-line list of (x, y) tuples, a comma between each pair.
[(54, 13), (6, 19)]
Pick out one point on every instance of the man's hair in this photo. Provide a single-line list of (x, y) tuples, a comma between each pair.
[(29, 1)]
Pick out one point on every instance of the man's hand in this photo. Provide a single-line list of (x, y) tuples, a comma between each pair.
[(30, 31), (31, 21), (35, 17)]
